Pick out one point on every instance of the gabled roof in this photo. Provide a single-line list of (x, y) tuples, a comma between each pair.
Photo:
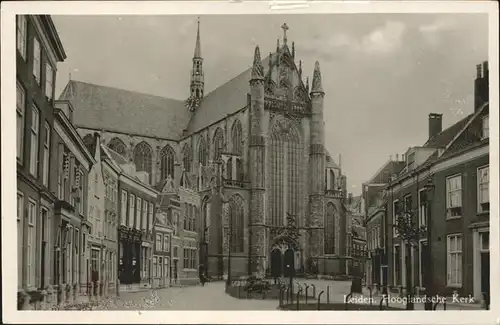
[(102, 107), (443, 138)]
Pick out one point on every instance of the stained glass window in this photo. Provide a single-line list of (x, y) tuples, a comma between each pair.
[(167, 158), (118, 146), (236, 214), (285, 155), (330, 229), (143, 158)]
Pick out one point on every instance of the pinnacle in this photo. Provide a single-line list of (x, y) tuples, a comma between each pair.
[(317, 86), (257, 69)]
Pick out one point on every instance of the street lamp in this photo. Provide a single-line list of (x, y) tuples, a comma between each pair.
[(429, 188)]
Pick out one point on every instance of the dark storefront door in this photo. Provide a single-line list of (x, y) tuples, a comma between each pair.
[(485, 273)]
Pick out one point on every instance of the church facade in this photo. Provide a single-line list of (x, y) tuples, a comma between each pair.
[(254, 150)]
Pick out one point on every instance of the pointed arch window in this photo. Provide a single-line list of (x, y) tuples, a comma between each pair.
[(88, 141), (332, 179), (218, 144), (117, 145), (236, 136), (330, 229), (167, 159), (236, 213), (239, 170), (143, 157), (229, 169), (285, 156), (202, 152), (187, 159), (206, 220)]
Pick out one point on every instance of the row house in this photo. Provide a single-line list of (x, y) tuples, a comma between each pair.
[(180, 202), (355, 235), (446, 182), (102, 215), (71, 227), (375, 199), (39, 49), (137, 204)]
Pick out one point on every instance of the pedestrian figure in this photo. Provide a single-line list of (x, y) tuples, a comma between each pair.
[(202, 274)]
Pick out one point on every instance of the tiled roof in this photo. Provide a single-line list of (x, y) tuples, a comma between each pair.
[(115, 109), (444, 137), (225, 99)]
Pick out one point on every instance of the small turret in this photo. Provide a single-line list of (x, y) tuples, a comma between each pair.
[(317, 86), (257, 68)]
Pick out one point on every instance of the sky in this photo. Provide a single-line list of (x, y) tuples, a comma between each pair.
[(382, 73)]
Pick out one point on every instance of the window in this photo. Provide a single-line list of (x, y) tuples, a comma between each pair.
[(175, 222), (484, 239), (454, 196), (176, 252), (158, 242), (395, 213), (37, 60), (20, 237), (407, 203), (186, 252), (46, 152), (236, 213), (49, 81), (167, 162), (166, 243), (422, 262), (218, 144), (144, 222), (143, 159), (330, 229), (483, 193), (285, 172), (131, 200), (20, 110), (202, 152), (123, 212), (237, 142), (187, 161), (192, 258), (454, 265), (155, 263), (150, 216), (22, 39), (422, 207), (118, 146), (160, 266), (138, 213), (397, 265), (35, 133), (31, 249), (486, 127)]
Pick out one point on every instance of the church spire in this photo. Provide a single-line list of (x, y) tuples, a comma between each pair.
[(197, 49), (197, 84), (316, 86)]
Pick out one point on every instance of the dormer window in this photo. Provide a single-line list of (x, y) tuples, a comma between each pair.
[(486, 127)]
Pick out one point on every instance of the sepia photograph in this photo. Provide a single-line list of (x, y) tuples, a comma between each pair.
[(268, 162)]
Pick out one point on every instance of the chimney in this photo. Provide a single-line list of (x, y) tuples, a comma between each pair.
[(481, 85), (435, 124)]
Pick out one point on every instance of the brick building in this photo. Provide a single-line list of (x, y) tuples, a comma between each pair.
[(456, 161), (375, 198), (39, 49), (356, 235)]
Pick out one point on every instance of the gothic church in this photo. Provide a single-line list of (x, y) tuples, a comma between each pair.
[(253, 148)]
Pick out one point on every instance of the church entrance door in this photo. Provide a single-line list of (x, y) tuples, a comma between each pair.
[(289, 262), (276, 265)]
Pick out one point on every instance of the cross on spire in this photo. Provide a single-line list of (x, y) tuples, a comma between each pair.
[(285, 29)]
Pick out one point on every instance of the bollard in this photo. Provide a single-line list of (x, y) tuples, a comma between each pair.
[(307, 289), (319, 299), (298, 298), (371, 295), (327, 294), (314, 290)]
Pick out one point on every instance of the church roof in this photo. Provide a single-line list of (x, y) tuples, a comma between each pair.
[(102, 107), (228, 98)]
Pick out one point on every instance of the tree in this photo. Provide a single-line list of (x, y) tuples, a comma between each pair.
[(409, 232)]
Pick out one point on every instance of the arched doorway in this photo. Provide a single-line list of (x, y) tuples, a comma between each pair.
[(276, 263), (289, 269)]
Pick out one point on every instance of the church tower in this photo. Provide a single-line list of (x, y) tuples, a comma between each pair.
[(197, 77), (257, 159), (317, 166)]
